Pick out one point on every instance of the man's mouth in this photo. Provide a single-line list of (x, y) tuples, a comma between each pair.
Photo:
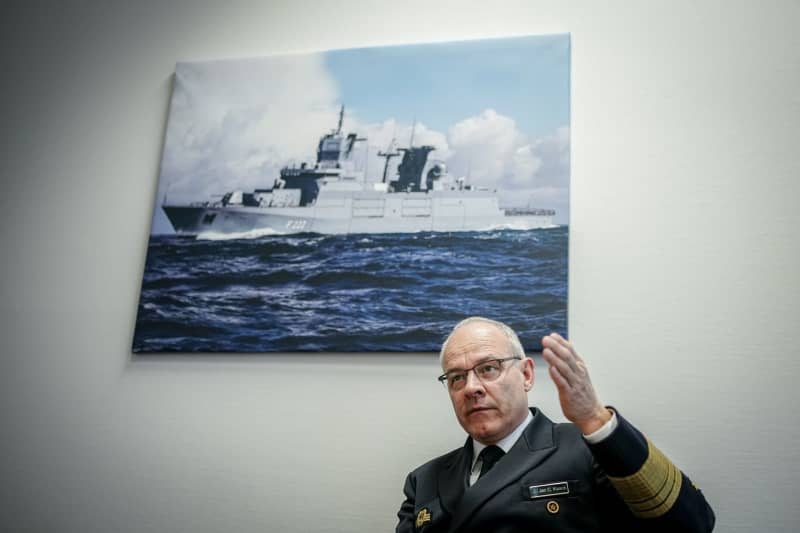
[(475, 410)]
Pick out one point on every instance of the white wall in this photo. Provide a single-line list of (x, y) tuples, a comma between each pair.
[(684, 258)]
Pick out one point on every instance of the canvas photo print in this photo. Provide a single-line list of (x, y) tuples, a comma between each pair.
[(361, 200)]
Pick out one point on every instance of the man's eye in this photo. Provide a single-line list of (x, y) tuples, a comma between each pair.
[(487, 369), (455, 378)]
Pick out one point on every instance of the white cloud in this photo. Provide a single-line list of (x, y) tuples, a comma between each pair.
[(234, 124), (553, 150), (483, 147), (494, 153), (524, 165)]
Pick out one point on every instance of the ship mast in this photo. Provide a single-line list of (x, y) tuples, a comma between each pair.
[(341, 117), (388, 154)]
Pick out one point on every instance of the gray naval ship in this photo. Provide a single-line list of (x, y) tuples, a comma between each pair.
[(332, 197)]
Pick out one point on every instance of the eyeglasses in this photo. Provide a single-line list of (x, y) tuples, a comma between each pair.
[(486, 371)]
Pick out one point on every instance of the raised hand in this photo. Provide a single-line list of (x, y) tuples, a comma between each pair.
[(579, 401)]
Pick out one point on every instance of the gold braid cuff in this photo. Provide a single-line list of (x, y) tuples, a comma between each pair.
[(653, 490)]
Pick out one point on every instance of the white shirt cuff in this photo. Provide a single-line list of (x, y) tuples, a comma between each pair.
[(603, 433)]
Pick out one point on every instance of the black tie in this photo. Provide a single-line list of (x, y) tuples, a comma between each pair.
[(490, 455)]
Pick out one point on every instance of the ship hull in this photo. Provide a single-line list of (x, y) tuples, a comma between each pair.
[(360, 213)]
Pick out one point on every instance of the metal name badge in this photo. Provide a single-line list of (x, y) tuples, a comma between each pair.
[(549, 489)]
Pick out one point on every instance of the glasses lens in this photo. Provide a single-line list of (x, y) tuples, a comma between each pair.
[(488, 371), (456, 380)]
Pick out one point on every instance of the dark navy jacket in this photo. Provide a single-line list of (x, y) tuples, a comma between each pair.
[(552, 480)]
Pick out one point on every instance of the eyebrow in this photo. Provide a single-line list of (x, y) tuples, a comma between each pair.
[(482, 360)]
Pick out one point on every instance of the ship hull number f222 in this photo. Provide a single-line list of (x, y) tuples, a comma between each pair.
[(296, 225)]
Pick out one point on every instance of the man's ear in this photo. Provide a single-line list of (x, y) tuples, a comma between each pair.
[(528, 373)]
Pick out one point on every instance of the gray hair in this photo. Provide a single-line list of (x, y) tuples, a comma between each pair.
[(514, 345)]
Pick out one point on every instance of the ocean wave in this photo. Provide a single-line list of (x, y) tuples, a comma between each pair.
[(243, 235), (518, 226), (257, 292), (361, 279)]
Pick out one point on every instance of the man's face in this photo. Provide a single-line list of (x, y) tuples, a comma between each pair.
[(488, 411)]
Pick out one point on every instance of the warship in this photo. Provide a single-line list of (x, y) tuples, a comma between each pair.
[(333, 197)]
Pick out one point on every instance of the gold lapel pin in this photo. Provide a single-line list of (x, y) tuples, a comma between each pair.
[(552, 507), (423, 517)]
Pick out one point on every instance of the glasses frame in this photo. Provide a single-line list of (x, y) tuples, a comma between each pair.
[(443, 378)]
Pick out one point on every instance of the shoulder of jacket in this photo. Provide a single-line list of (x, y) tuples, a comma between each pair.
[(567, 431), (438, 462)]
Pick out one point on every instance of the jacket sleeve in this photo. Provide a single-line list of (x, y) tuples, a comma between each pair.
[(405, 515), (658, 495)]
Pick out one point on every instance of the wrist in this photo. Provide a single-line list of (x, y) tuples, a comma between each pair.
[(598, 419)]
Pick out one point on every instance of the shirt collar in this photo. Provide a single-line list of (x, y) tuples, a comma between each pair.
[(505, 443)]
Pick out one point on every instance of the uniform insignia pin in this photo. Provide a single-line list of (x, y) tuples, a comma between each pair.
[(423, 517), (552, 507)]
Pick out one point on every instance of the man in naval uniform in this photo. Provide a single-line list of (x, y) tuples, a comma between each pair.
[(518, 471)]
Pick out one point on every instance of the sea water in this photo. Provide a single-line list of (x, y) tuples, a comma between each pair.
[(351, 293)]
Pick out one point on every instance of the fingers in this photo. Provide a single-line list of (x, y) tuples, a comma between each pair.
[(559, 353), (579, 401), (568, 345), (557, 378), (559, 366), (558, 344)]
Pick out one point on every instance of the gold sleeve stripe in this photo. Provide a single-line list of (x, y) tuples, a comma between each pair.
[(653, 490)]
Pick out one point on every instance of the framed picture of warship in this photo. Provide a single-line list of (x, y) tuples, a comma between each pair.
[(361, 200)]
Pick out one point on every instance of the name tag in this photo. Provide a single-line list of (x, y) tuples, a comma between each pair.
[(549, 489)]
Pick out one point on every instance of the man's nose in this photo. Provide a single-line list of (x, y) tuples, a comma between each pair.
[(472, 383)]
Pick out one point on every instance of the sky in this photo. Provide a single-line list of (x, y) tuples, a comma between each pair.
[(496, 110)]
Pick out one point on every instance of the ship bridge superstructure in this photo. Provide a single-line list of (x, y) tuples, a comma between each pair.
[(334, 160)]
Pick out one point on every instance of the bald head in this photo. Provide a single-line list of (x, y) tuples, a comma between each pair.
[(514, 345)]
